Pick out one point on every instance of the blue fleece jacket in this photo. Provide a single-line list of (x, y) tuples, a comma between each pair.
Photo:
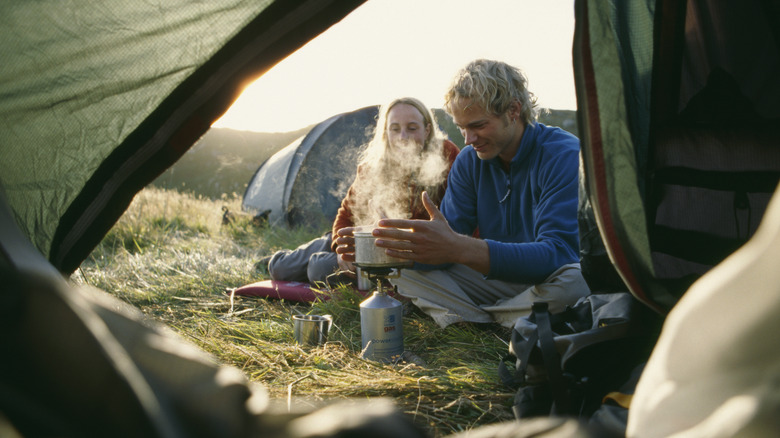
[(528, 216)]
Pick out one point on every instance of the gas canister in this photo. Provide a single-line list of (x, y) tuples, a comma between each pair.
[(381, 327)]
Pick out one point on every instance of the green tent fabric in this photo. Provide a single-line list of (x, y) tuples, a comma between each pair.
[(678, 111), (97, 99), (607, 124)]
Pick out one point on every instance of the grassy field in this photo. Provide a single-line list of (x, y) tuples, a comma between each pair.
[(171, 256)]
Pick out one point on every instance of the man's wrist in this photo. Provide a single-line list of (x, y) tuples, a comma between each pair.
[(473, 253)]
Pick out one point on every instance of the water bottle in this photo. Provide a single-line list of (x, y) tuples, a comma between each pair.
[(381, 327)]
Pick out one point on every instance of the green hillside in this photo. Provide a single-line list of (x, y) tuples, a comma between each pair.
[(223, 161)]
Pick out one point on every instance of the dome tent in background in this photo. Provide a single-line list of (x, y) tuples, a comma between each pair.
[(303, 183)]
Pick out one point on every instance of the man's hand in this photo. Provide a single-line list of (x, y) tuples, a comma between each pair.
[(431, 242)]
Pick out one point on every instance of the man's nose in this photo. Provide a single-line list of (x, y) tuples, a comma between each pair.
[(468, 136)]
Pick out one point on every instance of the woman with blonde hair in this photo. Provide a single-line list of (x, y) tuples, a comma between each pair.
[(407, 155)]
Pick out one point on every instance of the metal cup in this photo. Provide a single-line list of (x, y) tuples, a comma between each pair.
[(368, 254), (311, 330)]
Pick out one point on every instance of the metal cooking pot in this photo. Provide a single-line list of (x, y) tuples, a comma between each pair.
[(367, 254)]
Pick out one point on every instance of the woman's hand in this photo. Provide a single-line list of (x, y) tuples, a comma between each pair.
[(345, 246)]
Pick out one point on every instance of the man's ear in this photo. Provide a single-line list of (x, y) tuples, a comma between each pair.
[(515, 110)]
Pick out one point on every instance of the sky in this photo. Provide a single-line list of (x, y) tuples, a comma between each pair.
[(392, 48)]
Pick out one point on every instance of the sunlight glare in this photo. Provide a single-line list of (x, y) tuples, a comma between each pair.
[(391, 48)]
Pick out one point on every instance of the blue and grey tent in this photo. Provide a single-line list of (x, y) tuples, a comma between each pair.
[(304, 183)]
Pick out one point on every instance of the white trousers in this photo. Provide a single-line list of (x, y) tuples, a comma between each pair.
[(460, 293)]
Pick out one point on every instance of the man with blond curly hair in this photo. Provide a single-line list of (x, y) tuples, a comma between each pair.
[(505, 235)]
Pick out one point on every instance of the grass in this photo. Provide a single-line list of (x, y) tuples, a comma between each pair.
[(170, 256)]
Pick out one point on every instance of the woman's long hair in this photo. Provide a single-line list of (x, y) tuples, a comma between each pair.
[(390, 174)]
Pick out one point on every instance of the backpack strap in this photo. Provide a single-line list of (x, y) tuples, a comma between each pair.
[(520, 352), (551, 358)]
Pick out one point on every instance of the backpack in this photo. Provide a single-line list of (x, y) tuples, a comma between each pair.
[(564, 364)]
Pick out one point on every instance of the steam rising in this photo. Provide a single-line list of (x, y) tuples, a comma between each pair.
[(391, 185)]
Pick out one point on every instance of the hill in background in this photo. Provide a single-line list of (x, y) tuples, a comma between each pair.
[(224, 160), (566, 119)]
